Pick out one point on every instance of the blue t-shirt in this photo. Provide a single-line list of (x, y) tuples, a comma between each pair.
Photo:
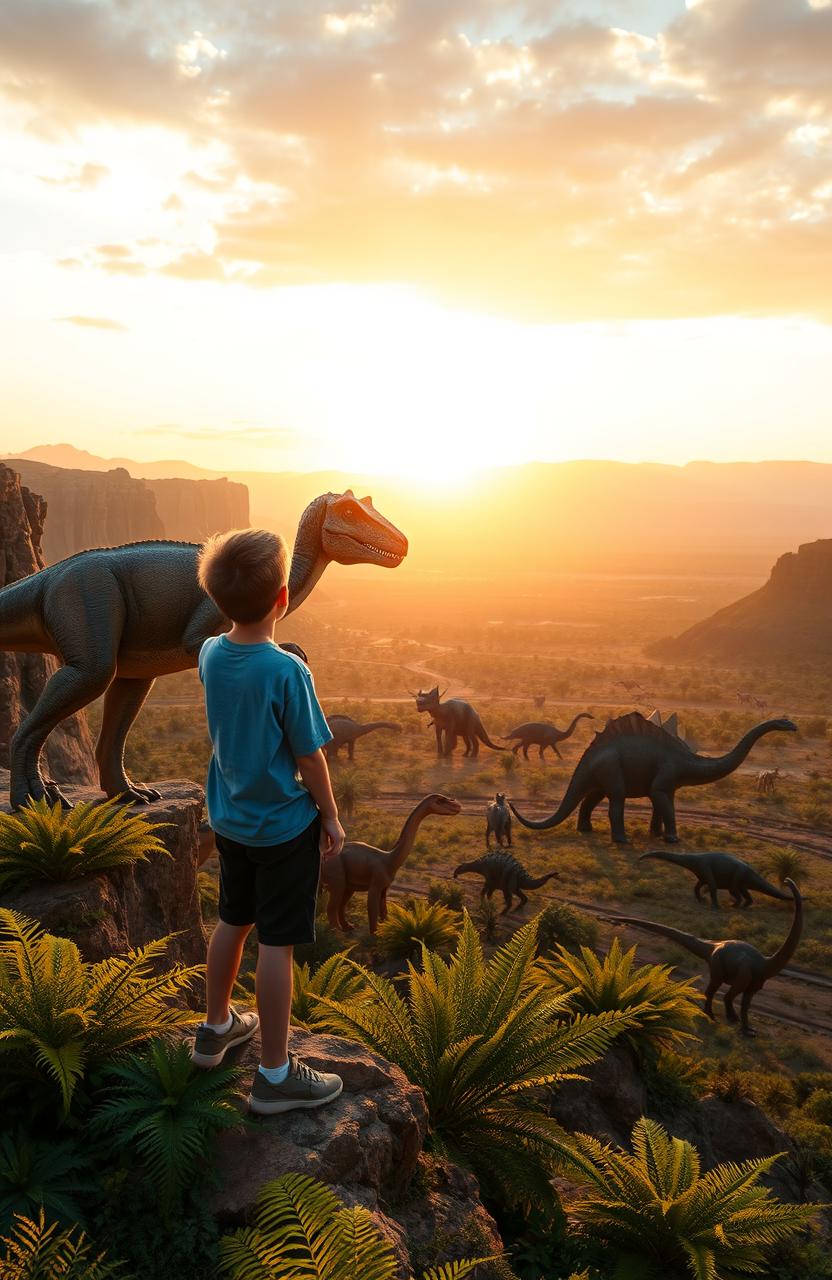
[(262, 714)]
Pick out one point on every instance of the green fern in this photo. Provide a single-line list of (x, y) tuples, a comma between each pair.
[(478, 1038), (410, 926), (36, 1251), (41, 1174), (662, 1217), (61, 1017), (663, 1011), (167, 1112), (40, 842), (302, 1231), (333, 978)]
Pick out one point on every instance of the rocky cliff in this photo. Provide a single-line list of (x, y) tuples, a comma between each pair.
[(192, 509), (789, 617), (69, 750)]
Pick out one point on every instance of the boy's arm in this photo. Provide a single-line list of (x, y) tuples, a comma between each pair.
[(315, 773)]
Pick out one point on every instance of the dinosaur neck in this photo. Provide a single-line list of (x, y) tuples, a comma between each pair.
[(783, 955), (401, 849), (308, 557), (705, 769), (373, 725), (583, 715)]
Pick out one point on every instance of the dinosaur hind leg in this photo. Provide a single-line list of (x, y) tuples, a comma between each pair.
[(734, 990), (745, 1005), (663, 805), (122, 703)]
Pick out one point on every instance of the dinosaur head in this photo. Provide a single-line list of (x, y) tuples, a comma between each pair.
[(442, 805), (788, 726), (353, 532), (428, 699), (500, 798)]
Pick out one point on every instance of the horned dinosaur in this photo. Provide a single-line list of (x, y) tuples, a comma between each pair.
[(739, 964), (118, 617), (456, 719), (633, 757), (504, 872), (542, 735), (361, 867), (715, 871), (498, 821), (346, 731)]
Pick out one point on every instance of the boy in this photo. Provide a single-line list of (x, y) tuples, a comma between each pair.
[(271, 829)]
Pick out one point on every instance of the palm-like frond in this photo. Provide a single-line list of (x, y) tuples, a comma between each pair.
[(168, 1112), (39, 1251), (60, 1016), (302, 1231), (43, 842), (655, 1203), (35, 1173), (333, 978), (479, 1038), (412, 925), (663, 1009)]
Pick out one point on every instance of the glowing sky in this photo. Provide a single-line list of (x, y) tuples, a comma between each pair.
[(302, 234)]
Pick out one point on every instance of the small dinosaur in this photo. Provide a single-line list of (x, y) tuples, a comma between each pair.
[(118, 617), (361, 867), (633, 757), (741, 966), (498, 821), (346, 731), (720, 871), (542, 735), (456, 719), (503, 871)]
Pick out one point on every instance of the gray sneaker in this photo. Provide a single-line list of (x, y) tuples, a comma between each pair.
[(210, 1047), (303, 1087)]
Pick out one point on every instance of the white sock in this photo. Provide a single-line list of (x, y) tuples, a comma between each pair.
[(220, 1027), (276, 1075)]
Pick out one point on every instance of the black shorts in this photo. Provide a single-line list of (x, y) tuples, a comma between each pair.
[(273, 886)]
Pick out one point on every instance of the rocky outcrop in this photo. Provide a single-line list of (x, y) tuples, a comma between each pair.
[(190, 510), (91, 508), (69, 749), (128, 907), (790, 617)]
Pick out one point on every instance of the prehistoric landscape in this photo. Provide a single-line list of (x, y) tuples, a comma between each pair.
[(513, 319)]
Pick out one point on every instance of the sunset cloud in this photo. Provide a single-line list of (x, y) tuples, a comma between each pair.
[(94, 322)]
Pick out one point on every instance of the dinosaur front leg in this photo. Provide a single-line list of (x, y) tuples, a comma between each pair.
[(438, 730), (588, 804), (663, 805), (710, 991), (730, 1012), (122, 703), (745, 1005), (373, 908), (616, 811)]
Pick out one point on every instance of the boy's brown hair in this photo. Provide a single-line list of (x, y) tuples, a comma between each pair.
[(243, 570)]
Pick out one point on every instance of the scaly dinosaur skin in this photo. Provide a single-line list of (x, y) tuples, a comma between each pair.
[(715, 871), (742, 967), (498, 821), (118, 617), (363, 868), (345, 732), (503, 871), (542, 735), (634, 757), (456, 719)]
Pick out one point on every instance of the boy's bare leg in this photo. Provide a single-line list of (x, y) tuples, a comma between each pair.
[(273, 986), (225, 951)]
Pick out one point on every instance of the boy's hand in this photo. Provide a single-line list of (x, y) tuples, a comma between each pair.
[(333, 836)]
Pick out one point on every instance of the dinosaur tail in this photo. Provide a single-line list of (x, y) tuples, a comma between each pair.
[(483, 737), (687, 940), (21, 629), (575, 793), (763, 886), (531, 883), (784, 953)]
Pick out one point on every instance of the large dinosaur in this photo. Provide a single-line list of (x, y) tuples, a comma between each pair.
[(498, 821), (741, 966), (346, 731), (118, 617), (503, 871), (633, 757), (456, 719), (715, 871), (542, 735), (361, 867)]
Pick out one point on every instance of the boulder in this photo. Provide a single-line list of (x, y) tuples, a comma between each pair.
[(608, 1103), (126, 907)]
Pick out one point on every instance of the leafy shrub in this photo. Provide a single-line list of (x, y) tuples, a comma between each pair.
[(663, 1011), (478, 1038), (61, 1018), (818, 1106), (562, 925), (166, 1112), (37, 1251), (334, 978), (654, 1208), (415, 924), (302, 1229), (40, 1174), (450, 895), (486, 918), (40, 842), (788, 864)]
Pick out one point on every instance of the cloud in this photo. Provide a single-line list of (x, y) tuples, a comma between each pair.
[(94, 322), (85, 177), (546, 166), (246, 434)]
